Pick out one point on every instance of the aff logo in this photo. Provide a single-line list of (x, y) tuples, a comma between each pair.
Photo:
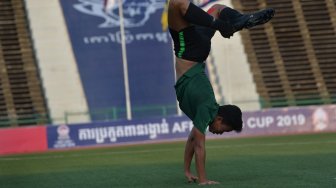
[(136, 12)]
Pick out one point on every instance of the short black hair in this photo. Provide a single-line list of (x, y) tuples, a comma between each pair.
[(232, 116)]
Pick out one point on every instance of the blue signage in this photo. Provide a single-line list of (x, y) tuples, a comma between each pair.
[(107, 133), (266, 122), (96, 40)]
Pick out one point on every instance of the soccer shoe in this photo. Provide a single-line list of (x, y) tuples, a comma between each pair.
[(248, 21)]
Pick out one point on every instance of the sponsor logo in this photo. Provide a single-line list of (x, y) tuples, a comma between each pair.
[(63, 139), (320, 119), (136, 12)]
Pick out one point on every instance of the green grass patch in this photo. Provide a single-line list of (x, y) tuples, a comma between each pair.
[(281, 161)]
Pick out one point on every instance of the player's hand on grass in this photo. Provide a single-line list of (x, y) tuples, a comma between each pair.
[(191, 178), (208, 182)]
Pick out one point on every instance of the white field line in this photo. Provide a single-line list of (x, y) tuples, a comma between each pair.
[(161, 150)]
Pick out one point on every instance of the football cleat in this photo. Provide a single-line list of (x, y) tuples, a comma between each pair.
[(248, 21)]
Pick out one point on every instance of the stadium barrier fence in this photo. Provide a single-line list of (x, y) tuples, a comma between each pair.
[(276, 121)]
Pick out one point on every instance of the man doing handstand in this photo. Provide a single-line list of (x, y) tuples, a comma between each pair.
[(191, 30)]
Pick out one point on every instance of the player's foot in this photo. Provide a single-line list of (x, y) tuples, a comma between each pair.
[(248, 21)]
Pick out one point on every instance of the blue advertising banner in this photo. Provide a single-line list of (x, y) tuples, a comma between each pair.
[(102, 133), (96, 40), (266, 122)]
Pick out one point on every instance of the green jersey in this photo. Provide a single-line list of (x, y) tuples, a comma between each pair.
[(196, 97)]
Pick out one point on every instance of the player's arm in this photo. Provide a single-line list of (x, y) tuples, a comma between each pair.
[(188, 156), (199, 148)]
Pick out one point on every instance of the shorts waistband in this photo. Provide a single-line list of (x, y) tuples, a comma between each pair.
[(198, 68)]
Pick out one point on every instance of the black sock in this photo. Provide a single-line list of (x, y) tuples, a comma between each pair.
[(197, 16), (229, 13), (237, 19)]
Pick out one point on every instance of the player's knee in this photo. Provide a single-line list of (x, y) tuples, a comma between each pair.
[(180, 2)]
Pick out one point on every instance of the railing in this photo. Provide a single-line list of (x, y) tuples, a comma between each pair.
[(35, 119), (114, 114), (283, 102), (108, 114)]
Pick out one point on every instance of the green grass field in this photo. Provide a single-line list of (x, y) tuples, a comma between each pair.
[(282, 161)]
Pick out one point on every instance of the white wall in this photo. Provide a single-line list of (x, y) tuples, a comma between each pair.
[(58, 68), (234, 72)]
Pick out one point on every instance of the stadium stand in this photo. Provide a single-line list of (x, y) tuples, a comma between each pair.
[(21, 97), (293, 58)]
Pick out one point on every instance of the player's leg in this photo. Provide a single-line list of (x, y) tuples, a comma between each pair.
[(192, 14), (238, 20), (214, 11)]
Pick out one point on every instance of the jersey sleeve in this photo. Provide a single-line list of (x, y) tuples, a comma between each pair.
[(202, 119)]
